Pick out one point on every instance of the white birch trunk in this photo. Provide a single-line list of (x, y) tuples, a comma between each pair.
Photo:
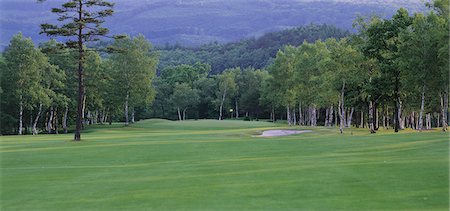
[(341, 118), (36, 120), (20, 116), (184, 114), (301, 121), (179, 114), (64, 123), (237, 109), (294, 118), (126, 109), (132, 116), (371, 125), (330, 120), (421, 109), (361, 123), (444, 108), (349, 118), (400, 119), (49, 123), (288, 115), (327, 111), (221, 104)]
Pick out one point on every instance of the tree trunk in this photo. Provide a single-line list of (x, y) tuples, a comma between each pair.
[(132, 116), (361, 122), (20, 116), (341, 118), (421, 109), (221, 104), (273, 114), (401, 124), (237, 109), (375, 108), (301, 121), (49, 123), (288, 115), (55, 121), (179, 114), (438, 120), (444, 108), (327, 115), (36, 120), (371, 125), (330, 120), (314, 116), (336, 117), (184, 114), (126, 108), (294, 118), (349, 118), (79, 120), (342, 109), (64, 123)]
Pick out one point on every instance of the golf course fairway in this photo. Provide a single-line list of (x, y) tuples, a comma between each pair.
[(221, 165)]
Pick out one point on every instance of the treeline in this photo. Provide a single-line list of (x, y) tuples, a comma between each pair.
[(257, 53), (39, 87), (392, 74)]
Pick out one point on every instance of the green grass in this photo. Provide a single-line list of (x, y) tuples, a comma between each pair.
[(212, 165)]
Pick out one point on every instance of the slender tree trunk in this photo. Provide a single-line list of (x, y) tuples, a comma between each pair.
[(438, 120), (179, 114), (36, 120), (237, 109), (221, 104), (126, 109), (55, 121), (336, 116), (349, 118), (371, 125), (50, 119), (294, 118), (421, 109), (401, 124), (80, 76), (288, 115), (64, 123), (342, 109), (330, 120), (341, 118), (444, 108), (301, 120), (377, 125), (314, 116), (361, 122), (273, 114), (132, 116), (327, 115), (20, 116), (184, 114)]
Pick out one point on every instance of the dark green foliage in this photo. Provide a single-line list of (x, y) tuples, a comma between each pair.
[(256, 53)]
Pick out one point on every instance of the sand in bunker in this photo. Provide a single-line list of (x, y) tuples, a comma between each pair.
[(272, 133)]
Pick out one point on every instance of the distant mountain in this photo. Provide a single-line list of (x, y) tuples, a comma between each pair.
[(196, 22)]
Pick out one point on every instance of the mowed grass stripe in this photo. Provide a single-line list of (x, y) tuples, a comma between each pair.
[(218, 165)]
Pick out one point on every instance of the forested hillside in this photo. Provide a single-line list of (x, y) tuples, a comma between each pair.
[(256, 53), (197, 22)]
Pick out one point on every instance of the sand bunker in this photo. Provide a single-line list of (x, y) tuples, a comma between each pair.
[(273, 133)]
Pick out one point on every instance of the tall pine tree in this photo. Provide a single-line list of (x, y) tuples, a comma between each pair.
[(80, 22)]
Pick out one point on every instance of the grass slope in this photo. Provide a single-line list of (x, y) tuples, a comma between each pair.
[(212, 165)]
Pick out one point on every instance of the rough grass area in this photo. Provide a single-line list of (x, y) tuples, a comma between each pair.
[(218, 165)]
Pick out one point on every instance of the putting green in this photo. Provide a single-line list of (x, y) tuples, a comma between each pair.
[(219, 165)]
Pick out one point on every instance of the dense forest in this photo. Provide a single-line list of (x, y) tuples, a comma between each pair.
[(392, 73), (257, 53)]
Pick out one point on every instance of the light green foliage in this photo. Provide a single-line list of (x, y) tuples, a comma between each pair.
[(134, 70), (27, 79)]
